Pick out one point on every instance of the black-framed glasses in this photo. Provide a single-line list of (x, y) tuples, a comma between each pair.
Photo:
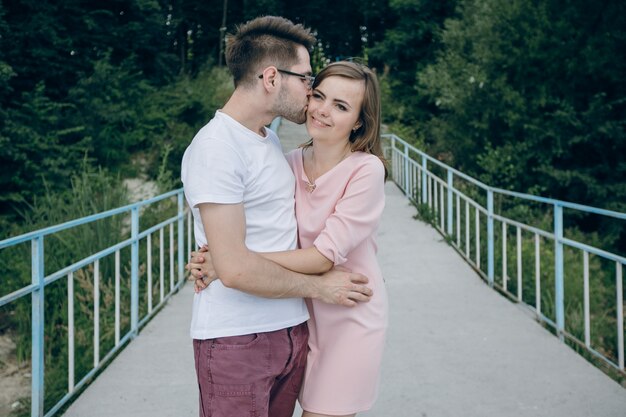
[(306, 79)]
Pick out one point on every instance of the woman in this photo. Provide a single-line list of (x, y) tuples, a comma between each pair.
[(339, 200)]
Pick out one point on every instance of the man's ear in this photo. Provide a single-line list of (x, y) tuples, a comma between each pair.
[(269, 76)]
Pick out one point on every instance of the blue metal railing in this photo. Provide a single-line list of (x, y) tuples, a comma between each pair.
[(39, 281), (444, 197)]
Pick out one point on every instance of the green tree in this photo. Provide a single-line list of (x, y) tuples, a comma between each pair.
[(411, 40), (531, 96), (36, 145), (72, 76), (110, 105)]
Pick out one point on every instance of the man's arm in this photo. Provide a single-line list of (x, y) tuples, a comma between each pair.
[(306, 261), (239, 268)]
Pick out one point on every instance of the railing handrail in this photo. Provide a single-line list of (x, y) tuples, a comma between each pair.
[(540, 199), (436, 161), (39, 281), (83, 220)]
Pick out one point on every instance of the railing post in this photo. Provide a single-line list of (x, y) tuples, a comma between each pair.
[(70, 333), (450, 188), (490, 239), (407, 192), (96, 313), (37, 328), (620, 315), (392, 158), (134, 272), (424, 179), (181, 237), (559, 294)]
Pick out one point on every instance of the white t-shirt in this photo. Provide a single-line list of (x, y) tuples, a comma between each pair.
[(228, 163)]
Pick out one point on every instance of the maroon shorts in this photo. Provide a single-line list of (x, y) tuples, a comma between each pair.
[(257, 375)]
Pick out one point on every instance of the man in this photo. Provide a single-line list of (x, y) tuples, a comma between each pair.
[(249, 327)]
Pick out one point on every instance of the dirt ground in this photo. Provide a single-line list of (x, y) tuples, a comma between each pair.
[(14, 378)]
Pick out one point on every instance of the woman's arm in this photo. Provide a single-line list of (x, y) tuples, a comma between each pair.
[(357, 213), (305, 261)]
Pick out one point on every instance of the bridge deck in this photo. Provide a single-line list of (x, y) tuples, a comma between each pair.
[(455, 347)]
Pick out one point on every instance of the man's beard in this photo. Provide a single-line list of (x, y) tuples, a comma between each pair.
[(287, 107)]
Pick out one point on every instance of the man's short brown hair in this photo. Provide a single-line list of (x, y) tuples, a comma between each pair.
[(267, 40)]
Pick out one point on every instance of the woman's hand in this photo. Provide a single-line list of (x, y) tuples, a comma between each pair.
[(201, 269)]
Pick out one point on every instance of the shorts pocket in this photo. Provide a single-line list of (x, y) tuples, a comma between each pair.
[(233, 400), (238, 342)]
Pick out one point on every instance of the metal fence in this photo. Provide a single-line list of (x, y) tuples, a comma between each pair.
[(462, 209), (136, 270)]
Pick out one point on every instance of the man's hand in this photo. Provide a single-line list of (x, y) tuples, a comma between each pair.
[(201, 269), (342, 287)]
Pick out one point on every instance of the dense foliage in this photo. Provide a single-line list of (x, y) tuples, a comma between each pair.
[(115, 81), (525, 95)]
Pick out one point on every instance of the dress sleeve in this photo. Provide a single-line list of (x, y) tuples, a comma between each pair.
[(357, 213)]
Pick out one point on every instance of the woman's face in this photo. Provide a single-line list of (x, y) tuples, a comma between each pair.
[(334, 109)]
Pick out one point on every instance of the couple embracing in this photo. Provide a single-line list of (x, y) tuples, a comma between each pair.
[(293, 303)]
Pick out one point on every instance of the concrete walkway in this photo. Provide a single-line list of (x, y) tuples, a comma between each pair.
[(455, 347)]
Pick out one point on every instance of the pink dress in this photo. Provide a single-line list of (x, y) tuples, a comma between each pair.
[(340, 218)]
